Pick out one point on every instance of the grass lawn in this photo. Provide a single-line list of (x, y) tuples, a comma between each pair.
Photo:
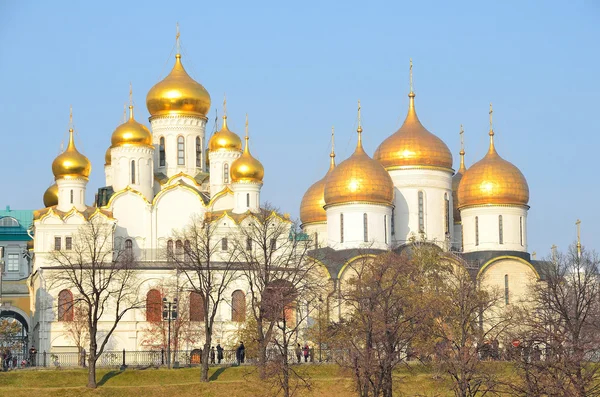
[(327, 380)]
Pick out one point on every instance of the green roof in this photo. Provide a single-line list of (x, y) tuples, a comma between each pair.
[(15, 232)]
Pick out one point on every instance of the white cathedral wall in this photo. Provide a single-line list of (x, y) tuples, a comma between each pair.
[(317, 232), (134, 219), (143, 181), (71, 188), (108, 175), (487, 237), (378, 222), (171, 127), (217, 160), (457, 237), (519, 275), (436, 185), (246, 197), (173, 211)]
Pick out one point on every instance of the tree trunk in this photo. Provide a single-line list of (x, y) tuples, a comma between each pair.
[(92, 372), (205, 358)]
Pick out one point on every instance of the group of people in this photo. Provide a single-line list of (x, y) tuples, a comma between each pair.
[(302, 351), (216, 355)]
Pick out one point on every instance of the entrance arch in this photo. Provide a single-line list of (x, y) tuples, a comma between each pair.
[(14, 331)]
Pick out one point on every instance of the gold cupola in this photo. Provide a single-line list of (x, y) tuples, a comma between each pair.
[(311, 207), (51, 196), (412, 146), (178, 93), (246, 168), (492, 181), (224, 139), (71, 163), (359, 179), (107, 156), (457, 178), (130, 133)]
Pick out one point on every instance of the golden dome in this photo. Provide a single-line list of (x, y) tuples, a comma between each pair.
[(51, 196), (71, 163), (130, 133), (455, 183), (246, 168), (225, 139), (412, 145), (311, 207), (107, 156), (359, 178), (492, 180), (178, 93)]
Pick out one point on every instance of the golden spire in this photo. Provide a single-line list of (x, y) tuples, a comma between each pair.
[(462, 147), (578, 223), (359, 129), (70, 117), (177, 43), (225, 111), (332, 154), (491, 133), (246, 150), (130, 101)]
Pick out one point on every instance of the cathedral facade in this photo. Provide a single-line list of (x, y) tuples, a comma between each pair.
[(157, 179)]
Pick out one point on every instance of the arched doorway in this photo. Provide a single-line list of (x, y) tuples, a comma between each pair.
[(14, 332)]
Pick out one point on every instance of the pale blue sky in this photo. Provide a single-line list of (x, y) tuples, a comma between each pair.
[(299, 69)]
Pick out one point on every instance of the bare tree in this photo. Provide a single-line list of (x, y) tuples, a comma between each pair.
[(274, 261), (78, 329), (103, 277), (559, 335), (383, 313), (209, 271)]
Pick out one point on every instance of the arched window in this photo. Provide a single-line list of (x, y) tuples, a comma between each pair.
[(198, 152), (365, 228), (132, 172), (65, 305), (476, 230), (128, 245), (161, 152), (341, 228), (225, 173), (187, 249), (238, 306), (247, 199), (153, 305), (500, 230), (179, 248), (506, 289), (170, 250), (447, 212), (421, 212), (71, 196), (196, 307), (224, 244), (180, 151)]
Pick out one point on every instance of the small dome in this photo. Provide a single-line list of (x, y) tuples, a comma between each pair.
[(492, 181), (455, 183), (107, 156), (131, 133), (359, 178), (51, 196), (71, 163), (178, 93), (412, 145), (246, 168), (311, 207), (225, 139)]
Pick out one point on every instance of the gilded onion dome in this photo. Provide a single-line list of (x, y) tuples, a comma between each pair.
[(492, 181), (107, 156), (130, 133), (457, 178), (51, 196), (71, 163), (246, 168), (311, 207), (359, 178), (178, 93), (225, 139)]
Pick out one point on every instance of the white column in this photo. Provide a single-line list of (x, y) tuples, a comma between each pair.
[(140, 176), (220, 169), (71, 193), (246, 196), (346, 226), (494, 228)]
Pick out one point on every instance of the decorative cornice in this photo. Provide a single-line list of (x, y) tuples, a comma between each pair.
[(493, 205), (326, 206), (419, 167)]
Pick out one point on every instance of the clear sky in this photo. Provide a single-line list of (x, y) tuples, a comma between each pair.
[(297, 68)]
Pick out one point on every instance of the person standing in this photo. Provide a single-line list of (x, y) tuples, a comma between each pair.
[(219, 353), (306, 350), (298, 353), (240, 353), (212, 354), (32, 355)]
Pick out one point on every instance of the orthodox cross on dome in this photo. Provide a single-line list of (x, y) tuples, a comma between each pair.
[(225, 105), (491, 123), (130, 100), (246, 129), (462, 140), (359, 129), (332, 142), (177, 43), (70, 117), (411, 77), (578, 223), (533, 254)]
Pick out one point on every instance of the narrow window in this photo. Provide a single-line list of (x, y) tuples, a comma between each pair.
[(132, 172), (273, 244), (247, 199), (153, 306), (65, 305), (170, 250), (224, 244), (248, 244), (506, 289), (341, 228), (392, 226), (521, 230), (198, 152), (421, 213), (225, 173), (238, 306), (447, 212), (385, 228), (71, 196), (476, 230), (500, 230), (196, 307), (57, 241), (128, 245), (179, 248), (180, 151), (68, 243), (365, 228), (161, 152)]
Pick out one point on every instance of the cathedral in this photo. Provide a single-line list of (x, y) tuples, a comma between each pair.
[(158, 178)]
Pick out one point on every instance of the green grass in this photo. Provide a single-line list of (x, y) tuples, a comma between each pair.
[(327, 380)]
